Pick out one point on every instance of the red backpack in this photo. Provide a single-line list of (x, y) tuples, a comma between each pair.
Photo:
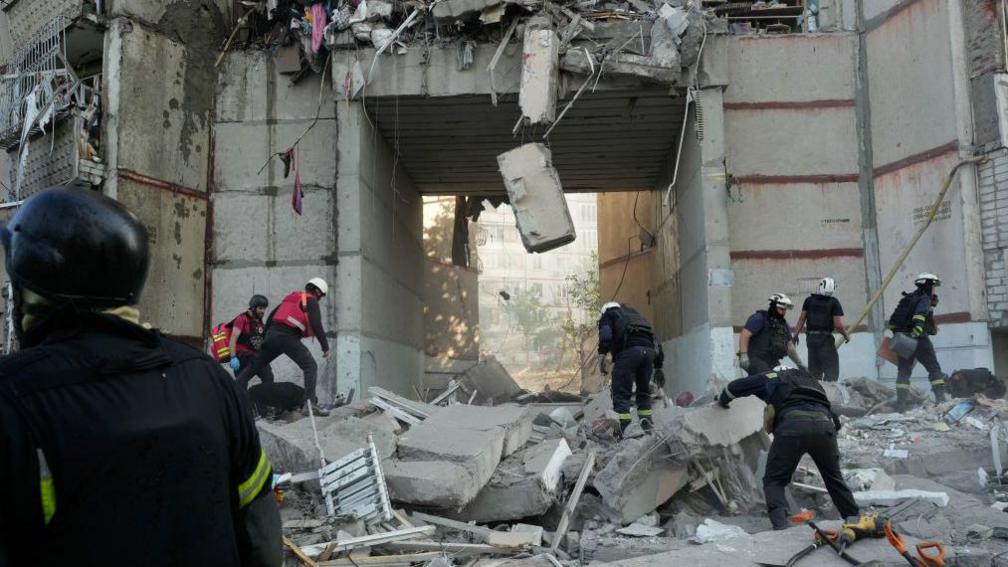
[(220, 341)]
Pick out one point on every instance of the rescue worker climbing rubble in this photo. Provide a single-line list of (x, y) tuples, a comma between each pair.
[(799, 415), (248, 331), (629, 338), (298, 316), (824, 316), (116, 443), (910, 323), (766, 337)]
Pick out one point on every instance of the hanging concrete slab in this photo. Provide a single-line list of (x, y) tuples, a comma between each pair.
[(537, 198)]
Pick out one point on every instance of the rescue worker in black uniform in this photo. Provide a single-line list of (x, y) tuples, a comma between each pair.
[(767, 338), (824, 316), (629, 338), (801, 420), (913, 318), (116, 444)]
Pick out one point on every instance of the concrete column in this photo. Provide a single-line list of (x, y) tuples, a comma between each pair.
[(710, 108), (379, 274)]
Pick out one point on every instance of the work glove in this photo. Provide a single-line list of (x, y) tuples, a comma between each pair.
[(603, 365), (234, 363), (743, 361), (659, 378)]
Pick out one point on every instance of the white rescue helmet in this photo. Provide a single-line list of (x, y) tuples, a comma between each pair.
[(610, 305), (780, 300), (925, 277), (320, 284), (827, 287)]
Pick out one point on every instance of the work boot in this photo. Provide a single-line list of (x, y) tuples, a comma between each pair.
[(939, 394), (623, 424), (646, 425), (902, 399), (316, 410)]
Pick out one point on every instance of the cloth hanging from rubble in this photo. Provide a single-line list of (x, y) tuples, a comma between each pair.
[(298, 194), (319, 19)]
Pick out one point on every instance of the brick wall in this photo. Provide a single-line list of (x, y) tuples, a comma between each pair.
[(994, 222)]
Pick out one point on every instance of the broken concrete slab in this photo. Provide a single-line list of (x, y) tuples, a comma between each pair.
[(514, 421), (524, 485), (437, 484), (640, 530), (478, 451), (537, 197), (716, 427), (540, 71), (491, 382), (623, 65), (892, 497), (291, 446), (640, 477)]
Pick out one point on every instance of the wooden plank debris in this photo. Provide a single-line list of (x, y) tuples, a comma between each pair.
[(453, 548), (298, 552), (371, 540), (481, 531), (384, 560), (572, 502)]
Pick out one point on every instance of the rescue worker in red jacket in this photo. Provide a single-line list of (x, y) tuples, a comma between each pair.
[(298, 316), (248, 331)]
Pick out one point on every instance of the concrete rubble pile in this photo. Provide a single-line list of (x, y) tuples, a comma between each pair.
[(506, 484)]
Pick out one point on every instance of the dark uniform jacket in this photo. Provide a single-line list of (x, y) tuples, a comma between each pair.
[(120, 446), (793, 394)]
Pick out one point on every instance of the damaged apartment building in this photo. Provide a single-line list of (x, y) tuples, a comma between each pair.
[(739, 148)]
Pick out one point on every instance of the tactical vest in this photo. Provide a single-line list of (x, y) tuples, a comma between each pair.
[(902, 317), (292, 312), (770, 344), (820, 313), (631, 325), (794, 388)]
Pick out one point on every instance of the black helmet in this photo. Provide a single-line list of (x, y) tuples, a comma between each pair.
[(258, 301), (77, 245)]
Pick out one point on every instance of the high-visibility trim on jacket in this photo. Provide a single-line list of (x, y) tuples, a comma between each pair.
[(248, 490), (293, 312), (46, 488)]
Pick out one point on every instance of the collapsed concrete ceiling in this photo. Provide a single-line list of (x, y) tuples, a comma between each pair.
[(608, 141)]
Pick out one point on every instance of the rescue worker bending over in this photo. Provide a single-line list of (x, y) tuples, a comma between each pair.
[(248, 331), (116, 444), (628, 336), (766, 337), (298, 316), (914, 317), (824, 316), (799, 416)]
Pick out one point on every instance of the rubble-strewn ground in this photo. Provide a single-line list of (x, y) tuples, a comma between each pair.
[(492, 483)]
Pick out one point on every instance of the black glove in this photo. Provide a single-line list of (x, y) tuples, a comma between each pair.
[(603, 365), (836, 420), (659, 378), (723, 400)]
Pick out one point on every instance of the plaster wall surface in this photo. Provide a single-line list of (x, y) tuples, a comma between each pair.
[(820, 64), (260, 245), (910, 78), (160, 177)]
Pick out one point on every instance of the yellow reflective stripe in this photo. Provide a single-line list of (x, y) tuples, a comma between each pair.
[(48, 499), (248, 490), (46, 488), (771, 375), (625, 416), (902, 386), (645, 412), (919, 317), (938, 382)]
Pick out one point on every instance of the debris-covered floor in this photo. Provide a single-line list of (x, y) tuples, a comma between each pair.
[(477, 480)]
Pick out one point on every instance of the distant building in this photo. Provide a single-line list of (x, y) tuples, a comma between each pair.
[(506, 266)]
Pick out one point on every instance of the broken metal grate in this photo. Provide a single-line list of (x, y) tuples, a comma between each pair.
[(39, 67), (354, 487), (26, 17)]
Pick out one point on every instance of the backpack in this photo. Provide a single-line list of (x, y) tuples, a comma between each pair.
[(902, 317), (220, 341)]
